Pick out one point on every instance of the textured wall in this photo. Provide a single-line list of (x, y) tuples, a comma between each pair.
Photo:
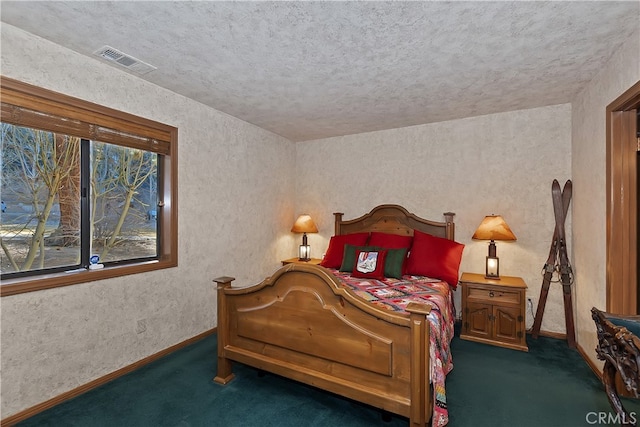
[(234, 177), (235, 205), (589, 171), (500, 163)]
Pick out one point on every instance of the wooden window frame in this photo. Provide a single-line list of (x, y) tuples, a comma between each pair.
[(27, 105)]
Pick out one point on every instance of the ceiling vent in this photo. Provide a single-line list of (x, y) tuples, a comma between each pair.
[(124, 60)]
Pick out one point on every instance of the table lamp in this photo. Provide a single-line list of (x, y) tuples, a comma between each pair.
[(493, 227), (304, 224)]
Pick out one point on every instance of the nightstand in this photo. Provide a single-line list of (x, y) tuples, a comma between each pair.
[(314, 261), (493, 311)]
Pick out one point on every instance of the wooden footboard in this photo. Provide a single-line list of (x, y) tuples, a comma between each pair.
[(302, 324)]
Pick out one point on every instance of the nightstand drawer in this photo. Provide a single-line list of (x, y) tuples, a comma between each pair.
[(485, 295)]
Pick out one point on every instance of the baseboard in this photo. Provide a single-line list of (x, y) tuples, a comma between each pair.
[(556, 335), (30, 412), (581, 351), (592, 365)]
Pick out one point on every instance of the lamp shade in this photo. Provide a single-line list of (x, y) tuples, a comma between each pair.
[(493, 227), (304, 224)]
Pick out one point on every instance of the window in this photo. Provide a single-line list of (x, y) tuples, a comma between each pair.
[(82, 185)]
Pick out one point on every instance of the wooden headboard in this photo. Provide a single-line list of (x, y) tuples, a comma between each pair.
[(395, 219)]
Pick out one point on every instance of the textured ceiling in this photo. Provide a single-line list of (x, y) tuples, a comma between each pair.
[(308, 70)]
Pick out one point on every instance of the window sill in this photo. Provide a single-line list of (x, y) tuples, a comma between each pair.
[(56, 280)]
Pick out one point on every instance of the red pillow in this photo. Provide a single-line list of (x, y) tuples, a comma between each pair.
[(369, 264), (435, 257), (335, 252), (391, 241)]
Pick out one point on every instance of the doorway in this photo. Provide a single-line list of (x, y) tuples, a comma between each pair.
[(623, 186)]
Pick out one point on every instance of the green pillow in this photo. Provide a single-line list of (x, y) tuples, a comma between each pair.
[(394, 262), (349, 256)]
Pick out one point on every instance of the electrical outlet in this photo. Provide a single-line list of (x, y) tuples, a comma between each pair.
[(141, 326), (530, 304)]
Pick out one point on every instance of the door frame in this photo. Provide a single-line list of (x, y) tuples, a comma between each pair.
[(622, 222)]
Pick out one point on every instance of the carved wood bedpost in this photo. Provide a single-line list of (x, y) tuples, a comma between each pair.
[(224, 374), (337, 220), (420, 399), (451, 227)]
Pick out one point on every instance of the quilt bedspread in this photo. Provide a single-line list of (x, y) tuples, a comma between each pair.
[(395, 294)]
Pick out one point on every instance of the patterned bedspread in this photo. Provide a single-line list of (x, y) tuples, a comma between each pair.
[(394, 295)]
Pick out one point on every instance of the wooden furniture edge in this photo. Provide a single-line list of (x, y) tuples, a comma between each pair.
[(48, 404), (370, 221), (224, 373), (420, 361), (508, 284), (418, 404), (415, 405), (619, 349)]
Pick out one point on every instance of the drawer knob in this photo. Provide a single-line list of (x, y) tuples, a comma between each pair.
[(491, 294)]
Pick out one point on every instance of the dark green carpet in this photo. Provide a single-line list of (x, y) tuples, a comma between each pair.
[(489, 386)]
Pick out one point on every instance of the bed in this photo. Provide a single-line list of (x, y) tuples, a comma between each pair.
[(305, 323)]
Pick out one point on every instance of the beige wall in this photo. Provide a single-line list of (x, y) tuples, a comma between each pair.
[(233, 177), (589, 171), (499, 163)]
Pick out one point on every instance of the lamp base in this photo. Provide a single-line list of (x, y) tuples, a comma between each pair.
[(304, 252), (492, 270)]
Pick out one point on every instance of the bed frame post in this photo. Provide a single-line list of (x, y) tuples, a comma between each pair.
[(337, 221), (420, 412), (224, 374), (451, 227)]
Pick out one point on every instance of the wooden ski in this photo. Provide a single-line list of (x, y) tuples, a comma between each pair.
[(558, 260), (566, 274)]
